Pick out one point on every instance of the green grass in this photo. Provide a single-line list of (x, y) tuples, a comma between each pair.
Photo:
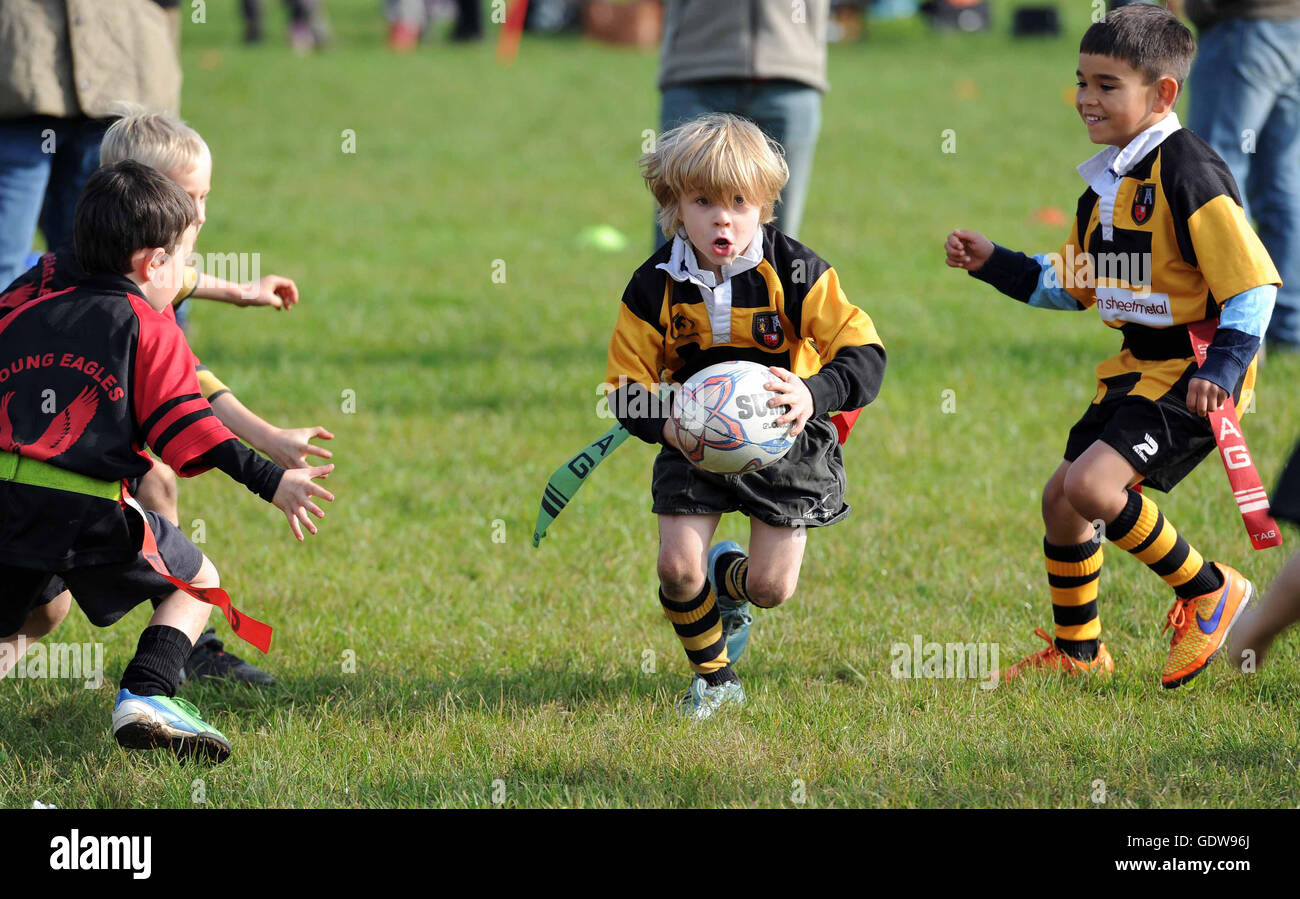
[(479, 661)]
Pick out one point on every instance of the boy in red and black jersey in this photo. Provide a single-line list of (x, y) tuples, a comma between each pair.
[(117, 375)]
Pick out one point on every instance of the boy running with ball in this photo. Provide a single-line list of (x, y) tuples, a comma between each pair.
[(730, 286), (1159, 242)]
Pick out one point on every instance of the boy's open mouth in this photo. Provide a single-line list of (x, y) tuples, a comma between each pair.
[(722, 246)]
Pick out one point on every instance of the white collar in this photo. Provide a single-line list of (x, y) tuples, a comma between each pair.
[(682, 266), (1113, 163)]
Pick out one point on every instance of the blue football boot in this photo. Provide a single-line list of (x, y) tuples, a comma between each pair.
[(735, 619)]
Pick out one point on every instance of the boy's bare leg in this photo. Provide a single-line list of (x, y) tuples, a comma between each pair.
[(182, 611), (1064, 526), (1096, 484), (209, 658), (1078, 500), (689, 602), (41, 621), (775, 556), (683, 544), (158, 492), (1261, 625)]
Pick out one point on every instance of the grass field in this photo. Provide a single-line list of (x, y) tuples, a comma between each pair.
[(427, 655)]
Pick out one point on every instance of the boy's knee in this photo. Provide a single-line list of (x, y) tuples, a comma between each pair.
[(680, 578), (1082, 491), (207, 576), (768, 592), (1054, 500)]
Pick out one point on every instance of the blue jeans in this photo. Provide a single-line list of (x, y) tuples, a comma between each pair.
[(44, 164), (1245, 103), (788, 112)]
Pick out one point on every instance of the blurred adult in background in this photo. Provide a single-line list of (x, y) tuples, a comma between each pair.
[(409, 20), (761, 59), (1245, 103), (308, 29), (63, 66)]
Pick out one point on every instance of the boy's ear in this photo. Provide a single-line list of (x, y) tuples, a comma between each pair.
[(147, 262), (1166, 93)]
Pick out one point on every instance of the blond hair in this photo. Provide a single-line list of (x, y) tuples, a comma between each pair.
[(715, 155), (156, 139)]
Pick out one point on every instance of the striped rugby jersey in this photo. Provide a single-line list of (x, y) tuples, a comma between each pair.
[(778, 304)]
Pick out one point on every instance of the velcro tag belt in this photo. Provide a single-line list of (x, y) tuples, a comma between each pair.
[(1247, 488), (35, 473)]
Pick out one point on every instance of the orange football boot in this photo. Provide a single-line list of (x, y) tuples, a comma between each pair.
[(1052, 660), (1201, 625)]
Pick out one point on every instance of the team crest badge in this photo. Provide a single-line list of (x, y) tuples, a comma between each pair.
[(1144, 203), (767, 329)]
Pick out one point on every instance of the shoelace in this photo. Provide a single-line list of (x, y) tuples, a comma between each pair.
[(1039, 659), (1177, 618)]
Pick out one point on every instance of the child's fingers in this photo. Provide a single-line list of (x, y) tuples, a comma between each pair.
[(314, 509), (317, 451), (320, 432), (318, 490), (320, 471), (293, 526), (305, 519)]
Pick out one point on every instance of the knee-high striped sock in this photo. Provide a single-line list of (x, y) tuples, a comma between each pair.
[(1072, 574), (699, 627), (730, 574), (1142, 530)]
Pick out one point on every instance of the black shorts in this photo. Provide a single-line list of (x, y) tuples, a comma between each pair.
[(104, 592), (1285, 501), (806, 487), (1162, 439)]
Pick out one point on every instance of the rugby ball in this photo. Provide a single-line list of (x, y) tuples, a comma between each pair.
[(724, 423)]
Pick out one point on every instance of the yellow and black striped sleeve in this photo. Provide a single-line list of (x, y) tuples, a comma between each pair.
[(853, 358), (209, 384), (636, 358), (1209, 224)]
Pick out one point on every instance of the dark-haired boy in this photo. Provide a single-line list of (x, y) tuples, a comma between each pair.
[(117, 373), (1162, 203)]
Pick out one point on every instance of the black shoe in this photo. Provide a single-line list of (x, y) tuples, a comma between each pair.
[(210, 661)]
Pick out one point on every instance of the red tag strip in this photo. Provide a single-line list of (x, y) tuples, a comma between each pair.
[(1247, 488), (246, 628), (844, 422)]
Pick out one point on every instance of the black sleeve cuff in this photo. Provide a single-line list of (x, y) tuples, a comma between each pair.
[(640, 411), (1228, 357), (849, 381), (261, 476), (1015, 274)]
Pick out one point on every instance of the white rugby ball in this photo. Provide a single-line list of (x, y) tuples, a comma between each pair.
[(724, 423)]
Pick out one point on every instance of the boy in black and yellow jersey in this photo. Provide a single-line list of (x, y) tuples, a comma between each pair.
[(729, 286), (1159, 242)]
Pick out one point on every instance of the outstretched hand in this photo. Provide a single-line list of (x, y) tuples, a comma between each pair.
[(294, 497), (290, 447)]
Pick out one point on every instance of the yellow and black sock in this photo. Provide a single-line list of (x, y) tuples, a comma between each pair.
[(699, 627), (730, 573), (1072, 574), (1142, 530)]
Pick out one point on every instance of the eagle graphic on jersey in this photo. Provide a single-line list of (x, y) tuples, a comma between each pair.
[(65, 430)]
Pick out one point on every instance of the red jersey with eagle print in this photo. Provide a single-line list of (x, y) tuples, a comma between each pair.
[(89, 376)]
